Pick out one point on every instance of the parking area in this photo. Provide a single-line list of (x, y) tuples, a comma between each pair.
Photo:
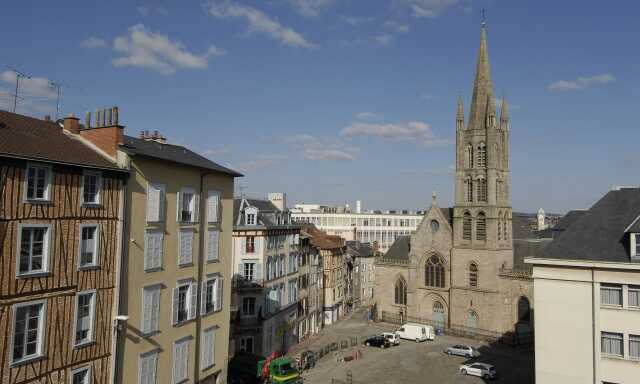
[(411, 362)]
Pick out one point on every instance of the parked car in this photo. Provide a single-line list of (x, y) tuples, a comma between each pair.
[(417, 332), (460, 350), (393, 337), (486, 371), (377, 341)]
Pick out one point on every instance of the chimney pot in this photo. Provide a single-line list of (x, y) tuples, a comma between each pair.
[(115, 115), (87, 120), (47, 117), (109, 116), (71, 124), (141, 134), (103, 116)]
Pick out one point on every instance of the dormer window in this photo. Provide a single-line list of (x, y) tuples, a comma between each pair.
[(251, 215), (635, 245)]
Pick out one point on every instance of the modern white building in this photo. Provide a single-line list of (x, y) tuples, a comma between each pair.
[(587, 296), (381, 227)]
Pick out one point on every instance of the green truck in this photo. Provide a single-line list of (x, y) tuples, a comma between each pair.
[(281, 370)]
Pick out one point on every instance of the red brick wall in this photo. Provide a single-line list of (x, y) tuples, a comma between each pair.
[(105, 138)]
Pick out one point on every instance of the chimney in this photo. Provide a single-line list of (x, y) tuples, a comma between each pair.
[(47, 117), (107, 134), (71, 124), (87, 120)]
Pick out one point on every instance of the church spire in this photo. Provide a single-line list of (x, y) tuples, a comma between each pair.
[(482, 87), (504, 114), (460, 115)]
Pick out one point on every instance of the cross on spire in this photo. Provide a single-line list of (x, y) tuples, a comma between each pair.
[(483, 16)]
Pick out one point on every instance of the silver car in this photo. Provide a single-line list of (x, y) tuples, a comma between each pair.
[(460, 350), (486, 371)]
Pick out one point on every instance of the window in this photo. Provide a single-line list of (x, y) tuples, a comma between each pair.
[(211, 295), (28, 330), (153, 250), (481, 192), (85, 312), (213, 239), (434, 273), (91, 185), (611, 294), (38, 182), (293, 291), (246, 344), (150, 316), (634, 346), (637, 240), (251, 215), (634, 296), (249, 306), (248, 271), (401, 292), (213, 206), (434, 226), (466, 226), (468, 187), (155, 202), (34, 248), (481, 227), (208, 348), (469, 157), (249, 244), (147, 365), (186, 247), (184, 302), (473, 275), (188, 203), (180, 361), (81, 375), (482, 155), (88, 245), (612, 344)]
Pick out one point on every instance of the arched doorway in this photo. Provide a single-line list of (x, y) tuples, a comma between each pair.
[(438, 315), (524, 315)]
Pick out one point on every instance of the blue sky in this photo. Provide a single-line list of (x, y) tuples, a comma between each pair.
[(336, 100)]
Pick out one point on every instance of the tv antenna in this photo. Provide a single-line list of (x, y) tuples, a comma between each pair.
[(19, 75), (58, 86)]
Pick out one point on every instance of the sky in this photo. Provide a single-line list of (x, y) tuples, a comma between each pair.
[(332, 101)]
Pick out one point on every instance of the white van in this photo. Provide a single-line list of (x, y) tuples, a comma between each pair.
[(417, 332)]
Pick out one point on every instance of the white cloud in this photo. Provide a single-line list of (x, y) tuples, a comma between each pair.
[(258, 22), (258, 162), (580, 83), (396, 26), (310, 8), (415, 131), (383, 39), (356, 21), (212, 152), (147, 49), (147, 10), (322, 149), (39, 87), (93, 42), (37, 96), (368, 115), (427, 8)]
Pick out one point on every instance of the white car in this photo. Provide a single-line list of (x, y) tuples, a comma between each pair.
[(394, 338), (486, 371), (460, 350)]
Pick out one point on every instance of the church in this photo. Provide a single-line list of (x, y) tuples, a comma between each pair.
[(462, 268)]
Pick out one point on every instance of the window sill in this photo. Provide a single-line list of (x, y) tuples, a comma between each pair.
[(186, 265), (613, 357), (88, 267), (40, 202), (155, 269), (27, 360), (149, 334), (29, 275), (608, 306), (205, 368), (92, 205), (84, 344), (213, 261)]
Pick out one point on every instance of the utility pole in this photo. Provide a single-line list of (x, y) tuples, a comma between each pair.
[(19, 75)]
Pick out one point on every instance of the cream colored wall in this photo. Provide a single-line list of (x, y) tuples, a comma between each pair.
[(174, 177)]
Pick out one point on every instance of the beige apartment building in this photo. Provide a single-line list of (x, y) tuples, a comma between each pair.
[(175, 286), (587, 296)]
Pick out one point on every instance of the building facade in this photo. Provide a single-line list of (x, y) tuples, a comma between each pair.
[(459, 269), (367, 227), (60, 221), (363, 272), (266, 270), (587, 289), (176, 282), (311, 293)]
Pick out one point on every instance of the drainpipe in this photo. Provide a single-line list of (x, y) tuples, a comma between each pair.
[(201, 232), (593, 323)]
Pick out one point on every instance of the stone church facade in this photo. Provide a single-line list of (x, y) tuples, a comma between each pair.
[(457, 269)]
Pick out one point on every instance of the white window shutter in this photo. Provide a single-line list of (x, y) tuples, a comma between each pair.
[(158, 250), (258, 274), (193, 304), (148, 250), (179, 207), (153, 203), (257, 243), (243, 245), (153, 363), (161, 203), (155, 310), (212, 350), (144, 370), (212, 245), (186, 247), (213, 202), (147, 303), (174, 306), (241, 269), (196, 207), (219, 284)]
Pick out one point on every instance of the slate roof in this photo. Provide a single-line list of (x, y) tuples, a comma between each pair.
[(521, 226), (359, 249), (321, 239), (267, 213), (34, 139), (174, 153), (400, 248), (599, 235), (568, 219)]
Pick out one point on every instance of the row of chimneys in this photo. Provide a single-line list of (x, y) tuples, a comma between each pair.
[(103, 118), (155, 136), (107, 135)]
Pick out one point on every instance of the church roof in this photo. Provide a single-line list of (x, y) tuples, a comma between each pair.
[(482, 87), (399, 249)]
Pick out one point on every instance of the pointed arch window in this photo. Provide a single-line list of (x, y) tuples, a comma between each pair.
[(401, 292), (499, 226), (481, 186), (468, 189), (473, 275), (434, 272), (505, 226), (482, 155), (468, 161), (466, 226), (481, 227)]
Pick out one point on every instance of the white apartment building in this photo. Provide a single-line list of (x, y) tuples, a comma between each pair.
[(383, 227), (266, 261), (587, 296)]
